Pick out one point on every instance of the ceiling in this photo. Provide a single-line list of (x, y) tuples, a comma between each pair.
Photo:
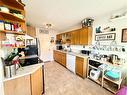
[(66, 14)]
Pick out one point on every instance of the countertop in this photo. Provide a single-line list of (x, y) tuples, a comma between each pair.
[(90, 58), (74, 53), (25, 71)]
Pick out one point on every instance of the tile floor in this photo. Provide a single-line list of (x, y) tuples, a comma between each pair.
[(60, 81)]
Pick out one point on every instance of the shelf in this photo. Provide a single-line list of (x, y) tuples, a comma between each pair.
[(14, 3), (92, 66), (100, 61), (19, 47), (119, 18), (111, 89), (97, 81), (116, 82), (9, 16), (108, 32), (12, 32), (13, 46)]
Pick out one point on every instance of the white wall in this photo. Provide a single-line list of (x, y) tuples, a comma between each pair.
[(104, 21)]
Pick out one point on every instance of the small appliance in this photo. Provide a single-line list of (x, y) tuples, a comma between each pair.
[(59, 47), (87, 52), (94, 74)]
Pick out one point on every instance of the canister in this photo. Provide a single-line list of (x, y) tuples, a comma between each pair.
[(7, 72), (13, 70)]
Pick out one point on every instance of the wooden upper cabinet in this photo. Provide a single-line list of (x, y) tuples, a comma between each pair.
[(59, 37), (68, 37), (31, 31), (86, 36), (73, 37), (77, 37), (81, 36)]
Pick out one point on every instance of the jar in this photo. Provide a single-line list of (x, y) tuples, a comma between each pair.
[(7, 26), (1, 25), (12, 26)]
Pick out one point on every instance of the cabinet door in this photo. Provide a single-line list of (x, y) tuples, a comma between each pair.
[(55, 55), (18, 86), (31, 31), (68, 37), (83, 36), (81, 66), (63, 59), (36, 82), (77, 37), (59, 37), (73, 37), (90, 35)]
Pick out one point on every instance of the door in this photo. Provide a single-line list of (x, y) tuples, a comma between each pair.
[(46, 47)]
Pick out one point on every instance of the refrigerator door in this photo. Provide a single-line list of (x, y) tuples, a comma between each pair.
[(38, 46), (1, 78)]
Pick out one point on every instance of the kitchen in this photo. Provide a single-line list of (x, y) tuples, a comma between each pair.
[(58, 53)]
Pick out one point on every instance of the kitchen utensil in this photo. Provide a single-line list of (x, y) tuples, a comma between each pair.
[(113, 58)]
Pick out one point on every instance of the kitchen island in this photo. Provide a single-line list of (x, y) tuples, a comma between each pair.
[(28, 80)]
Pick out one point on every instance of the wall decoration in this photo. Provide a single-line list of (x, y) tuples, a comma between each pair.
[(124, 35), (52, 40), (105, 37)]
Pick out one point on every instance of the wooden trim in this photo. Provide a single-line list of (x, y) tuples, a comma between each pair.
[(43, 79), (12, 32)]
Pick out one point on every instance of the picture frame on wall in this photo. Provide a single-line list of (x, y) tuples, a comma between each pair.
[(124, 35), (105, 37)]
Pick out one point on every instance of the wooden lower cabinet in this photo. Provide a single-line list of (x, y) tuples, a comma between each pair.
[(18, 86), (36, 82), (63, 59), (81, 66), (60, 57), (27, 85)]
